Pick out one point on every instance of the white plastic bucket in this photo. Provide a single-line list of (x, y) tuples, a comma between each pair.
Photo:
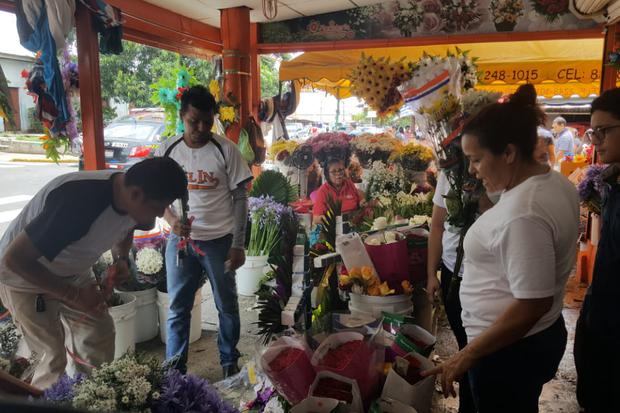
[(250, 274), (375, 306), (124, 317), (195, 329), (147, 324)]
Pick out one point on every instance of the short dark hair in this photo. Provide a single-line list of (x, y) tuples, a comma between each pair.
[(512, 122), (161, 179), (199, 97), (608, 102)]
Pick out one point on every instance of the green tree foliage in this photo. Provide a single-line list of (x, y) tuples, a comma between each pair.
[(127, 77)]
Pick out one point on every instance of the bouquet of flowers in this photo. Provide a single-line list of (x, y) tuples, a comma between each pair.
[(375, 81), (505, 13), (265, 216), (460, 15), (365, 281), (385, 180), (413, 157), (135, 383), (412, 205), (325, 140), (592, 188), (369, 148), (550, 9)]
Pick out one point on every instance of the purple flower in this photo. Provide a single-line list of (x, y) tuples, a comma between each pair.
[(62, 390), (189, 393), (592, 189)]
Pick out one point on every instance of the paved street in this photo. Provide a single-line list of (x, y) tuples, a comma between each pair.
[(20, 181)]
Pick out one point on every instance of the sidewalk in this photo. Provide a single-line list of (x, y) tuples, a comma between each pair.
[(23, 157)]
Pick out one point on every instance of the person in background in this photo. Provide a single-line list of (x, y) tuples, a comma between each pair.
[(545, 149), (518, 257), (443, 245), (47, 252), (565, 142), (337, 186), (578, 143), (217, 178), (597, 335)]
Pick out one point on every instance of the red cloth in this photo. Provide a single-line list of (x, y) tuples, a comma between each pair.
[(348, 195)]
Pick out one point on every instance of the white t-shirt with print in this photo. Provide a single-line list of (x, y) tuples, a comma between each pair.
[(451, 236), (524, 248), (211, 177)]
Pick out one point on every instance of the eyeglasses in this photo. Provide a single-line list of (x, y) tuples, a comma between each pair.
[(337, 171), (600, 132)]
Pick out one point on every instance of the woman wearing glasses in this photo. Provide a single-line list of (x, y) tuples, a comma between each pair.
[(597, 336), (338, 186)]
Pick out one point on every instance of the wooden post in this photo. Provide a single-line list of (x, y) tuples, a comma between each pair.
[(235, 26), (609, 73), (90, 90)]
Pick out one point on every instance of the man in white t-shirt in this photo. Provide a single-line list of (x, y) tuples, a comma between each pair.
[(217, 178), (47, 253)]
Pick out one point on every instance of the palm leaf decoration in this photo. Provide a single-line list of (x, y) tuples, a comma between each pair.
[(272, 301), (274, 184)]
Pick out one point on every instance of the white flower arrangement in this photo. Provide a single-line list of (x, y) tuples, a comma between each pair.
[(149, 261), (420, 220), (474, 100), (125, 384), (384, 180)]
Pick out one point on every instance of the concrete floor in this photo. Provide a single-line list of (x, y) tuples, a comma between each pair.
[(558, 395)]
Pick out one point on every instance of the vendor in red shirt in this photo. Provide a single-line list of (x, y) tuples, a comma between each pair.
[(339, 187)]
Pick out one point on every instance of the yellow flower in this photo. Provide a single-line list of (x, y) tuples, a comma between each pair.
[(384, 289), (407, 287), (214, 88), (345, 280), (227, 114), (579, 158)]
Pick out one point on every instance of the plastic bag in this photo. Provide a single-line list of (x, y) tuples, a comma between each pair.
[(244, 146)]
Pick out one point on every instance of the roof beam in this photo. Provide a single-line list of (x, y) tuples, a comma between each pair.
[(265, 48), (165, 25)]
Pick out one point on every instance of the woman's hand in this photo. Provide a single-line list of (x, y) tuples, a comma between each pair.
[(432, 288), (452, 370), (180, 229)]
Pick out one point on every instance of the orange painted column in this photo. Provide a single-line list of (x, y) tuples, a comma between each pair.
[(90, 89), (235, 27), (608, 80)]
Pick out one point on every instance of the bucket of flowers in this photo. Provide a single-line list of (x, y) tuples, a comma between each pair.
[(265, 218), (15, 369)]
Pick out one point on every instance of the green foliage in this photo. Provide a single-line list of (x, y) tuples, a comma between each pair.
[(274, 184), (127, 77), (269, 77)]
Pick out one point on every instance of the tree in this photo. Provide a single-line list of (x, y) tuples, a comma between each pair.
[(127, 77), (270, 74)]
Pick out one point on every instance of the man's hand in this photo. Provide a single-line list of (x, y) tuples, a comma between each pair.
[(88, 299), (236, 257), (122, 272), (180, 229), (432, 288)]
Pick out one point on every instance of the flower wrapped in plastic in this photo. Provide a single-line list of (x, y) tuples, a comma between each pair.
[(286, 362), (149, 261)]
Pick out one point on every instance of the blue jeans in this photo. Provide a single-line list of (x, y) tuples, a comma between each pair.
[(183, 282)]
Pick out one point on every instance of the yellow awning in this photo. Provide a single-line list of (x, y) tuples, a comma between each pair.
[(567, 67)]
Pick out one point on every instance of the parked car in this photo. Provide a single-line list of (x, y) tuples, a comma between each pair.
[(129, 140)]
